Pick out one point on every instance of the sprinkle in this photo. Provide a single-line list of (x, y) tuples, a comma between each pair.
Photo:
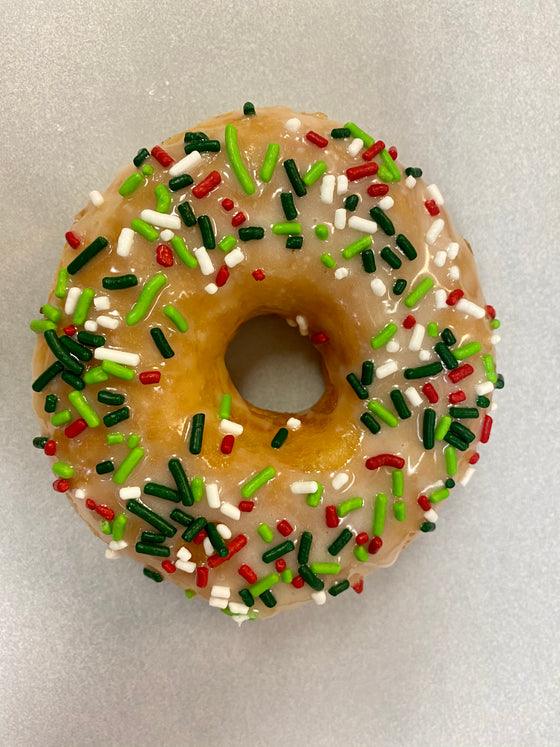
[(125, 241), (442, 427), (117, 369), (148, 293), (314, 173), (321, 232), (450, 460), (360, 553), (378, 287), (386, 369), (463, 412), (340, 216), (264, 584), (186, 164), (261, 478), (186, 214), (420, 290), (310, 578), (446, 356), (117, 416), (229, 427), (302, 487), (355, 146), (352, 504), (206, 232), (327, 189), (234, 156), (294, 177), (269, 163), (356, 247), (118, 356), (385, 460), (470, 308), (351, 203), (176, 317), (161, 156), (486, 429), (339, 587), (276, 552), (340, 132), (197, 432), (362, 224), (284, 229), (356, 132), (212, 495), (279, 438), (439, 495), (467, 476), (431, 369), (484, 388), (340, 480), (488, 363), (314, 498), (292, 125), (204, 261), (207, 185), (386, 203), (161, 342), (180, 182), (143, 228), (428, 425), (79, 403), (382, 413), (406, 247), (96, 198), (379, 512), (293, 424), (326, 569), (434, 231), (341, 184), (384, 336), (83, 306), (356, 385), (382, 221)]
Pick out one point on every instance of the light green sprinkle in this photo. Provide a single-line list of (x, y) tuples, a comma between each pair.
[(225, 407), (432, 329), (80, 404), (355, 131), (382, 413), (133, 440), (265, 532), (287, 576), (190, 593), (385, 174), (106, 527), (399, 510), (131, 184), (41, 325), (465, 351), (176, 317), (148, 293), (356, 247), (419, 291), (264, 584), (147, 169), (163, 196), (397, 479), (439, 495), (234, 156), (61, 281), (197, 488), (183, 253), (129, 463), (450, 460), (313, 499), (379, 513), (52, 313), (227, 243), (328, 261), (495, 323), (256, 482), (117, 369), (314, 173), (321, 232), (291, 228), (390, 165), (59, 418), (115, 438), (144, 229), (119, 525), (327, 569), (442, 427), (269, 163), (360, 553), (95, 376), (82, 307), (384, 336), (488, 363), (62, 469), (352, 504)]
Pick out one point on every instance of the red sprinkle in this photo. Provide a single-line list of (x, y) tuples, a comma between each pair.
[(319, 338), (284, 527), (50, 448), (70, 330), (200, 537), (430, 393), (222, 276), (233, 546), (258, 274), (61, 486), (297, 582), (393, 152), (149, 377), (486, 428), (373, 150), (364, 169), (161, 156), (475, 457), (105, 512), (431, 207), (331, 517), (227, 445), (362, 538), (204, 187), (456, 397), (317, 139), (454, 296), (90, 503), (377, 190), (168, 566), (202, 576), (246, 506), (164, 256), (409, 322), (375, 545), (227, 204), (491, 311), (385, 460), (460, 373), (358, 586), (424, 503), (73, 239), (238, 219), (247, 573), (280, 565)]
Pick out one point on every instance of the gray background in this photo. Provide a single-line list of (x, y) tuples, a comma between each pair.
[(456, 645)]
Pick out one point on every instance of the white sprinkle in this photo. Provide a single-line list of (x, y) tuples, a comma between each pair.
[(125, 241), (493, 406), (234, 257), (414, 399), (293, 124), (392, 346), (319, 597), (212, 495), (302, 324), (112, 555), (355, 146), (90, 325), (224, 531), (187, 566), (293, 424), (378, 287), (164, 220), (229, 428), (495, 339), (454, 272), (361, 224), (184, 553), (291, 322), (166, 234), (386, 203), (340, 218), (208, 547), (440, 298), (341, 184), (484, 388), (341, 272), (185, 164), (211, 288), (130, 493), (439, 259), (108, 322), (117, 356), (386, 369), (453, 250), (102, 303), (410, 182), (116, 546), (238, 608), (204, 261), (231, 511), (424, 355), (468, 307), (327, 188), (340, 480), (303, 487), (417, 337), (72, 300), (96, 198), (435, 194), (222, 592), (80, 494), (217, 602), (468, 474), (431, 515), (434, 231)]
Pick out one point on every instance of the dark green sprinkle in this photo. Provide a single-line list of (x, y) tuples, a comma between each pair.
[(382, 220), (310, 578), (463, 412), (216, 540), (92, 341), (406, 247), (180, 182), (162, 491), (117, 416), (207, 232), (161, 343), (431, 369), (304, 546), (454, 440), (119, 282), (290, 210), (368, 260), (428, 428), (140, 157), (448, 337), (88, 253), (500, 383), (246, 597), (399, 404), (351, 202), (197, 432), (181, 517), (428, 526), (276, 552), (370, 422), (294, 242), (110, 398), (462, 431), (61, 353), (250, 233), (450, 483), (181, 481), (203, 146), (338, 588), (249, 109), (152, 538), (279, 438), (390, 257), (48, 374), (398, 286), (412, 171), (194, 528), (102, 468), (159, 551), (340, 132), (51, 401), (153, 575), (341, 541), (187, 214), (75, 348), (74, 381), (447, 357), (157, 521), (367, 373), (482, 401), (190, 136), (268, 598), (354, 382), (294, 177), (39, 442)]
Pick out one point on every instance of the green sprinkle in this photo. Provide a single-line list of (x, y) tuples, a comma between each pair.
[(120, 282), (102, 468), (361, 554), (197, 433), (420, 372), (60, 418), (162, 491), (356, 385), (163, 197), (447, 358), (314, 173), (153, 575), (340, 132), (398, 286), (141, 156), (442, 427), (276, 552), (92, 341), (351, 203), (119, 526), (379, 512), (87, 254), (448, 338), (286, 229), (465, 351), (106, 527), (399, 404), (288, 206), (53, 314), (79, 403), (61, 282), (147, 295), (74, 381), (295, 178), (391, 165), (310, 578), (269, 163), (249, 109), (51, 401), (162, 345), (264, 584), (117, 369), (397, 479), (187, 214), (206, 231), (432, 329), (325, 569), (450, 460), (412, 171), (482, 401), (176, 317), (203, 146), (190, 136), (197, 488), (370, 422), (341, 541), (456, 441), (150, 517), (428, 526), (146, 548), (251, 233), (147, 170), (384, 223), (352, 504), (294, 242), (225, 407), (246, 597), (181, 481), (384, 336), (117, 416), (313, 499), (367, 373), (450, 483), (256, 482), (110, 398), (41, 325), (183, 253), (48, 374), (406, 247), (419, 291), (321, 232), (95, 376), (216, 540), (144, 229), (385, 174), (83, 306), (494, 324), (114, 438), (382, 413), (193, 529), (227, 243), (338, 588), (399, 510), (328, 261), (131, 184), (79, 351), (390, 257), (500, 383), (368, 260), (133, 440), (304, 547), (356, 247), (438, 495), (152, 538), (180, 182), (181, 517), (234, 156), (279, 438), (190, 593), (287, 576), (129, 463), (355, 131), (62, 469), (268, 599), (428, 428), (265, 532), (463, 412), (488, 363)]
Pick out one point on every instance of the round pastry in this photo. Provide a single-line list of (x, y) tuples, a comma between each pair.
[(257, 213)]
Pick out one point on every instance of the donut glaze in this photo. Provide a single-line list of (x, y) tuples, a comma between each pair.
[(352, 315)]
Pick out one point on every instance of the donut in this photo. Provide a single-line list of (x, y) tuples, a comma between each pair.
[(263, 212)]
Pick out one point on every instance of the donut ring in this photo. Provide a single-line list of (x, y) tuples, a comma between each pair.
[(280, 213)]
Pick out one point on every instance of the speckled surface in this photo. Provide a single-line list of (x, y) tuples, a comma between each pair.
[(455, 645)]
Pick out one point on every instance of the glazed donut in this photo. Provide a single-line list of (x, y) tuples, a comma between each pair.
[(257, 213)]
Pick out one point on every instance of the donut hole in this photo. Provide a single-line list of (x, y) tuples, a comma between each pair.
[(274, 367)]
